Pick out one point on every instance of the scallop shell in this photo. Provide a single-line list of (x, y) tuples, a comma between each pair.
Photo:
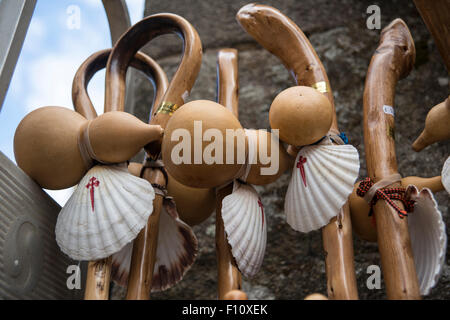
[(428, 237), (320, 185), (245, 225), (175, 254), (106, 211), (446, 175)]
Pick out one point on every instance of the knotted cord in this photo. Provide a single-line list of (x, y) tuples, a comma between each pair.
[(387, 194)]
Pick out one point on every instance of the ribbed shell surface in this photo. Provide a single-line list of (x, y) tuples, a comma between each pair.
[(321, 182), (175, 254), (445, 175), (246, 228), (107, 210), (428, 238)]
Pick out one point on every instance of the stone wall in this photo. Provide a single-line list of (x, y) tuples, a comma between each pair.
[(294, 263)]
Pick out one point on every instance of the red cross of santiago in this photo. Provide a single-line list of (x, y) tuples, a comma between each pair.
[(300, 163), (262, 210), (93, 182)]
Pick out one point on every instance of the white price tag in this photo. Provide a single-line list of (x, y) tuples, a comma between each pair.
[(388, 110)]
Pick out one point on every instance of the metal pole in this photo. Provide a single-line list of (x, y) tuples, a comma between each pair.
[(118, 18), (15, 17)]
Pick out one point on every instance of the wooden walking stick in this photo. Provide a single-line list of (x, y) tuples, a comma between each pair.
[(99, 272), (229, 277), (81, 101), (98, 279), (392, 60), (235, 295), (316, 296), (436, 15), (144, 248), (283, 38)]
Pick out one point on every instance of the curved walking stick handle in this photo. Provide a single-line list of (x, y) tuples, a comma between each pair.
[(392, 61), (144, 248), (284, 39), (96, 62), (227, 80), (134, 39)]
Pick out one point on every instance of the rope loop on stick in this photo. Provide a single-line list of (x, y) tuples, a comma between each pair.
[(372, 192)]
